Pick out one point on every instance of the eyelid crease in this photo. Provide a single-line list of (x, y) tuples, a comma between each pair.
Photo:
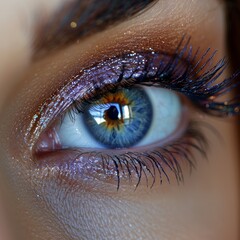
[(181, 72)]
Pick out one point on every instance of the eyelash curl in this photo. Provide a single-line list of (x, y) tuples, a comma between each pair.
[(195, 80), (181, 72)]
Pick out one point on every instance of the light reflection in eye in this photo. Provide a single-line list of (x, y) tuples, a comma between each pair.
[(108, 113)]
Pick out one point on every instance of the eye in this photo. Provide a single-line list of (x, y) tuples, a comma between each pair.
[(125, 118)]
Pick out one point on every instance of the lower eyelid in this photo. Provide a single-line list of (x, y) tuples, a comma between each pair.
[(150, 167)]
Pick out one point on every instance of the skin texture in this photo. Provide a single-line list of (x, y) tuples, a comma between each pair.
[(38, 206)]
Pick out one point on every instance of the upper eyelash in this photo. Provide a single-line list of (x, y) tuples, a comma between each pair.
[(193, 79)]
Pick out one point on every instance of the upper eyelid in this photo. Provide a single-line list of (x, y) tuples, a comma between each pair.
[(61, 100)]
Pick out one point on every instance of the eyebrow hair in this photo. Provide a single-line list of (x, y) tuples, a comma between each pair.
[(81, 18)]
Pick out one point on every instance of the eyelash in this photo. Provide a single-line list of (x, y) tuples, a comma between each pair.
[(195, 81), (154, 163), (178, 73)]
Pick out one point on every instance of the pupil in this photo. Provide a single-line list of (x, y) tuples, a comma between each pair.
[(112, 113)]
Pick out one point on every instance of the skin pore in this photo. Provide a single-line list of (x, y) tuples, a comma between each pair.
[(41, 206)]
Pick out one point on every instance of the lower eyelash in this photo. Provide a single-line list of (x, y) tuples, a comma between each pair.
[(159, 161), (137, 166)]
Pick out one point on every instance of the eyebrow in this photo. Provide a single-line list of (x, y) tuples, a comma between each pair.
[(80, 18)]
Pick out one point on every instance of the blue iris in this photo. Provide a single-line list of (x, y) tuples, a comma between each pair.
[(122, 121)]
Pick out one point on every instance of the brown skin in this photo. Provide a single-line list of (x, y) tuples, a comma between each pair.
[(38, 207)]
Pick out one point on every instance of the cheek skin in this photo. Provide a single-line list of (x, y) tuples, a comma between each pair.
[(55, 211)]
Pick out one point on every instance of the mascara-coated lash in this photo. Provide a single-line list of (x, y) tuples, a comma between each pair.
[(129, 166), (182, 72)]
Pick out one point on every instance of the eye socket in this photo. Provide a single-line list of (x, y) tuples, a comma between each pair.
[(126, 118), (167, 137)]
